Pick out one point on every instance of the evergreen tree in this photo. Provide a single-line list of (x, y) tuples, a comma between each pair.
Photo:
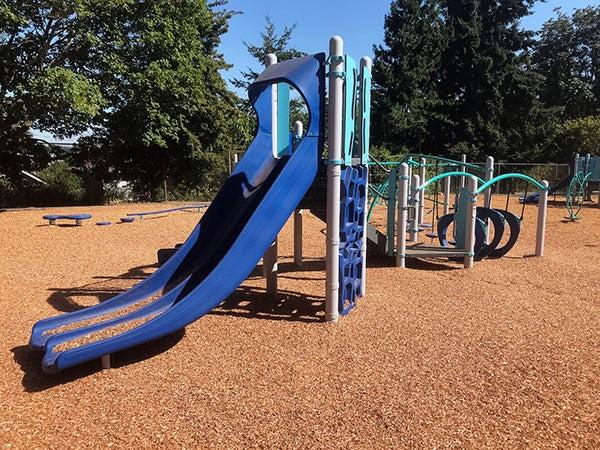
[(279, 44), (568, 56), (271, 42), (454, 77), (405, 72)]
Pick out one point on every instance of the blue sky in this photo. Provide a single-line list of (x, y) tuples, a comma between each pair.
[(359, 22)]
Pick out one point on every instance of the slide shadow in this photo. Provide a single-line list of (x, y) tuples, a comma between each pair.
[(36, 380), (255, 303), (63, 299)]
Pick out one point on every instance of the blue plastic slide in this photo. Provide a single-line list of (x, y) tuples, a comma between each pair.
[(236, 230), (562, 184)]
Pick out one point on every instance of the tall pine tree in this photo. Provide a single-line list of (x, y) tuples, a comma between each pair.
[(454, 77), (405, 74)]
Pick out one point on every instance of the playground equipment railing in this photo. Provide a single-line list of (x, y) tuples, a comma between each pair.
[(409, 198)]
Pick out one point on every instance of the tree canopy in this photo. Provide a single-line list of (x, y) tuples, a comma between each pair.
[(455, 76), (140, 78)]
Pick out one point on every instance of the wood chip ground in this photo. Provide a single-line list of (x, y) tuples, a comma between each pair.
[(504, 355)]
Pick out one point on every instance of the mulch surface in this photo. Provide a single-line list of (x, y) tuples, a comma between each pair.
[(506, 354)]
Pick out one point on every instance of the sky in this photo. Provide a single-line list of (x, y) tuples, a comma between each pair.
[(359, 22)]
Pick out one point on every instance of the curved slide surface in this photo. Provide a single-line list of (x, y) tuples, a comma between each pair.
[(234, 233), (562, 184)]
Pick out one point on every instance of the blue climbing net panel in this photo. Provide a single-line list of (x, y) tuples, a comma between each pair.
[(352, 210)]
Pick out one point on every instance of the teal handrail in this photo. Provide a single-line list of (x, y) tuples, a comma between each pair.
[(520, 176), (448, 160), (446, 175)]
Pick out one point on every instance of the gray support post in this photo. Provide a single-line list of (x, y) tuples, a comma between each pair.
[(105, 362), (463, 168), (334, 173), (298, 217), (365, 63), (587, 192), (541, 221), (447, 181), (414, 205), (489, 174), (576, 164), (487, 195), (270, 268), (391, 211), (470, 225), (422, 175), (402, 216), (298, 131), (270, 257)]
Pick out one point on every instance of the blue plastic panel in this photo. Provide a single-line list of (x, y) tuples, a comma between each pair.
[(350, 78), (365, 126), (352, 211)]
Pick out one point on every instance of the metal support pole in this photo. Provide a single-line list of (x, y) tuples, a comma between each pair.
[(402, 216), (489, 174), (365, 64), (298, 237), (447, 181), (470, 225), (487, 195), (298, 131), (414, 206), (270, 257), (334, 172), (105, 362), (270, 268), (463, 168), (541, 220), (576, 164), (587, 191), (391, 212), (422, 175)]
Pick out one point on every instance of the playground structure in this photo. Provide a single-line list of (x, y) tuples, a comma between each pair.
[(242, 222), (478, 230), (584, 171)]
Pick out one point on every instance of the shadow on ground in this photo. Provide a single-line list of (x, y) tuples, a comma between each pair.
[(36, 380), (255, 303), (63, 299)]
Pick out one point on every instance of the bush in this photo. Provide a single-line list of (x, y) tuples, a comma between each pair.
[(578, 136), (63, 188)]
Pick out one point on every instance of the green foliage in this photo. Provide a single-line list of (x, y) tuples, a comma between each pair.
[(454, 76), (64, 187), (142, 77), (271, 42), (578, 136), (404, 73), (63, 101), (566, 56), (279, 44)]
